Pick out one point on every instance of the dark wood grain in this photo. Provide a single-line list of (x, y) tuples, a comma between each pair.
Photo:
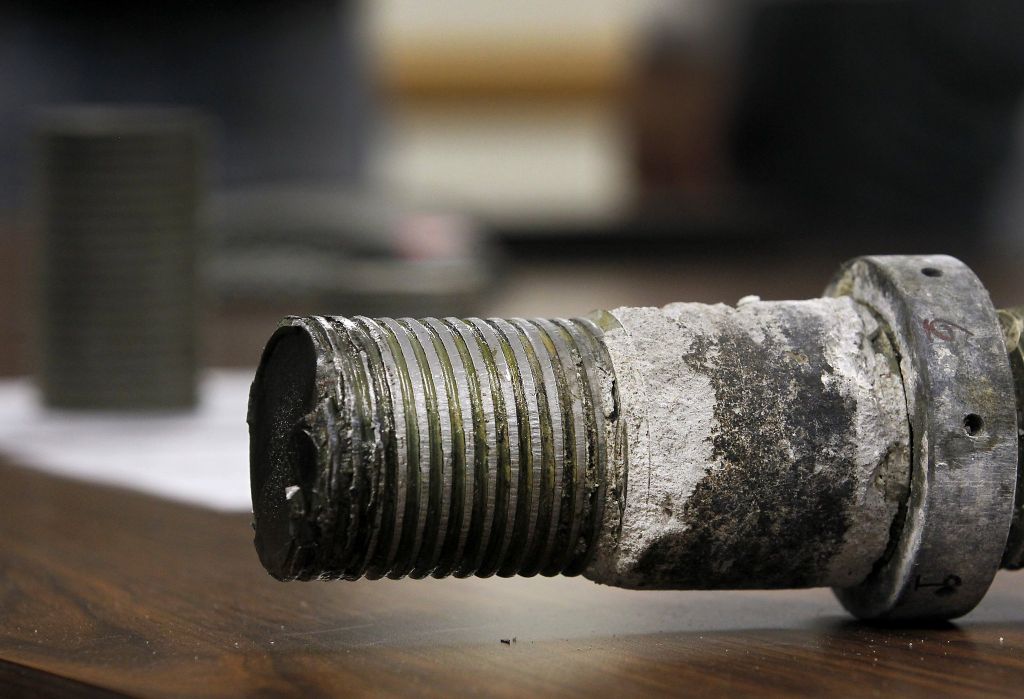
[(126, 593), (20, 681)]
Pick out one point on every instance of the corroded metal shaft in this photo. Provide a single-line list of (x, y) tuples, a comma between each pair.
[(766, 445)]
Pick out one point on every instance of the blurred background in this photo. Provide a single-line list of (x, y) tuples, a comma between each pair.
[(400, 157)]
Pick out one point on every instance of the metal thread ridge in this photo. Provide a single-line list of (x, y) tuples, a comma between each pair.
[(118, 194), (451, 447)]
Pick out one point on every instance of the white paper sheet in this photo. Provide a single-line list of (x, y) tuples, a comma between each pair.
[(199, 457)]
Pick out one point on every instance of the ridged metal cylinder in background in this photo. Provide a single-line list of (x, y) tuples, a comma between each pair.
[(118, 192), (429, 447)]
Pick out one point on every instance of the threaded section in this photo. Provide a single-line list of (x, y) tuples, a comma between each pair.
[(385, 447)]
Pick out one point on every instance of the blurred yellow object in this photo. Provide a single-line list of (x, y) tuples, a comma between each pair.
[(477, 68)]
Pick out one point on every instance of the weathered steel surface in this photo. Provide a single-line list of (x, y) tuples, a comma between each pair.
[(960, 400), (767, 446)]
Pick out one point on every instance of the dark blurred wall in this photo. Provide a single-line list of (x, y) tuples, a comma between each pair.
[(287, 81), (885, 116)]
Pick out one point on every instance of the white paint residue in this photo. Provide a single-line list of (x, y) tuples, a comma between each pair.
[(669, 407), (666, 427), (199, 457)]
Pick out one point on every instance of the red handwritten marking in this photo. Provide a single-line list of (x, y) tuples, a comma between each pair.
[(937, 328)]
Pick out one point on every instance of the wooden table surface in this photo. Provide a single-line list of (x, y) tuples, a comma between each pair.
[(104, 591)]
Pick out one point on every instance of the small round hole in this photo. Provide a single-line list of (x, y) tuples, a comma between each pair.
[(931, 272), (973, 424)]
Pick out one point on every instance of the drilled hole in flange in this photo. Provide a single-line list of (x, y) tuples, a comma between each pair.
[(973, 424), (931, 272)]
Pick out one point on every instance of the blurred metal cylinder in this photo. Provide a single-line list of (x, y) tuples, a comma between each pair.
[(118, 195)]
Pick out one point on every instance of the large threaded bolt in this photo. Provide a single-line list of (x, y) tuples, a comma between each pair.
[(767, 445)]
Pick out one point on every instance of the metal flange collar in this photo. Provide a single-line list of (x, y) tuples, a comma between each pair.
[(960, 400)]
